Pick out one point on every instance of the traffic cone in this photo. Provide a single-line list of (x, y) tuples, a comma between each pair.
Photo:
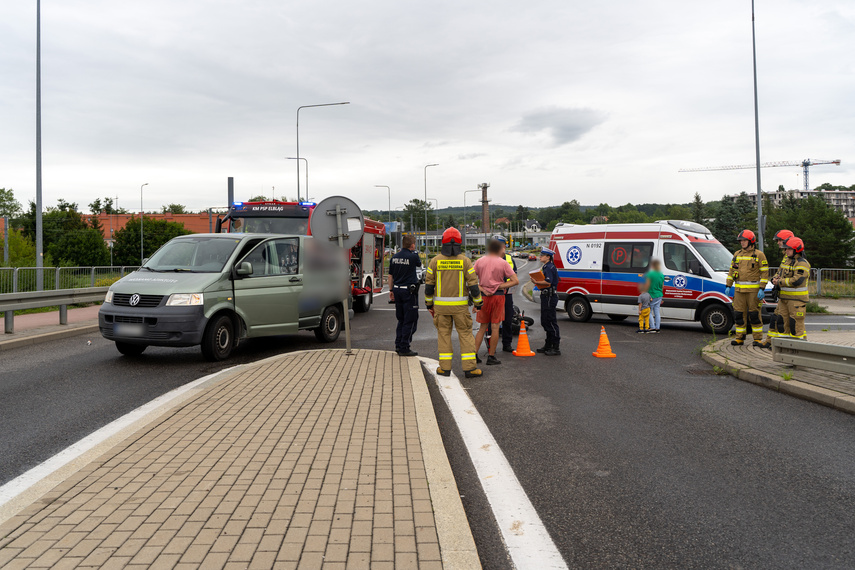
[(604, 349), (523, 348)]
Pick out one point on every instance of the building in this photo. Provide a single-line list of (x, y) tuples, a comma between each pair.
[(843, 200)]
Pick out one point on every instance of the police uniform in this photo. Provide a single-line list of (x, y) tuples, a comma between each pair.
[(449, 284), (548, 304), (793, 298), (507, 325), (405, 288), (749, 273)]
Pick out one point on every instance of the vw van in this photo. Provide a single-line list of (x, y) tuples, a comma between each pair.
[(214, 290), (600, 267)]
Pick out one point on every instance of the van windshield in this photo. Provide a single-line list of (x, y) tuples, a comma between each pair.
[(195, 254), (715, 254)]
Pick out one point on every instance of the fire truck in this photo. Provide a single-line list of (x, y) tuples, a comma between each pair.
[(274, 217)]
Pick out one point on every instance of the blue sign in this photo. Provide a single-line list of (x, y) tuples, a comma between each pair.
[(392, 227), (574, 255), (680, 282)]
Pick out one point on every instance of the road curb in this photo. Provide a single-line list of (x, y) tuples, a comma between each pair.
[(456, 544), (47, 337), (824, 396)]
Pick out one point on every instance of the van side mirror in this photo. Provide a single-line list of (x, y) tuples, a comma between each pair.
[(244, 268)]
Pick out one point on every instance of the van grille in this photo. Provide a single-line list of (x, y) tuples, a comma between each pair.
[(124, 300)]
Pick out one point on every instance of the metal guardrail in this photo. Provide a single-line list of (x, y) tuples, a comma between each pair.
[(835, 282), (830, 357), (19, 279), (11, 302)]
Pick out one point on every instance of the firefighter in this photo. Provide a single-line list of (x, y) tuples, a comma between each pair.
[(449, 285), (794, 290), (780, 237), (749, 273), (548, 303)]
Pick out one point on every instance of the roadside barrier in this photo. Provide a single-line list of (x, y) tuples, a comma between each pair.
[(604, 348), (11, 302), (21, 279), (830, 357)]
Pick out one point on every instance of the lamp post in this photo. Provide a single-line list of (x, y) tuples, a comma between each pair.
[(465, 192), (141, 225), (436, 212), (757, 138), (389, 190), (307, 174), (426, 201), (298, 138)]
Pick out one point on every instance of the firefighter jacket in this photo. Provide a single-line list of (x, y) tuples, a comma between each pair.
[(794, 281), (786, 265), (749, 270), (449, 283)]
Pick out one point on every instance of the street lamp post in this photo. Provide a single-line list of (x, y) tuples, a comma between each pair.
[(436, 212), (426, 201), (465, 192), (389, 190), (298, 138), (141, 225), (306, 160)]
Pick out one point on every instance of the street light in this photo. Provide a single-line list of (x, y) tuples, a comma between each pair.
[(426, 200), (389, 190), (298, 138), (465, 192), (436, 212), (307, 174), (141, 225)]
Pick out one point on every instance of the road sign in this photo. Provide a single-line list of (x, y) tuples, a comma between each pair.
[(327, 215)]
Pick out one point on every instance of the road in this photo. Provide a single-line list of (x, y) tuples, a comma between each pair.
[(646, 460)]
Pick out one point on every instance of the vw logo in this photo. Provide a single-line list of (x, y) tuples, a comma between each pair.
[(680, 282), (134, 301), (574, 255)]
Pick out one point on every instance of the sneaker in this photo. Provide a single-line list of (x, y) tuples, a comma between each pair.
[(507, 348), (491, 360), (408, 352), (653, 331), (553, 351), (476, 373), (442, 372), (737, 342), (642, 331)]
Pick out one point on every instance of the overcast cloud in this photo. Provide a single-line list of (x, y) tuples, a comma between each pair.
[(547, 101)]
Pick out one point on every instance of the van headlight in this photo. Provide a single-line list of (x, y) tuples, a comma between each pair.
[(185, 299), (109, 297)]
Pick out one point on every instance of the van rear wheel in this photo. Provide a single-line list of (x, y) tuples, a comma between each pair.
[(618, 318), (717, 318), (218, 340), (578, 309), (330, 326)]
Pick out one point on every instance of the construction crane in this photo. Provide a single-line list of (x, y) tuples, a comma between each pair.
[(805, 164)]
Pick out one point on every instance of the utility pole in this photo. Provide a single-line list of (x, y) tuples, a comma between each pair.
[(760, 223), (40, 248)]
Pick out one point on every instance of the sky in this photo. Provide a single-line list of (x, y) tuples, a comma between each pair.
[(547, 101)]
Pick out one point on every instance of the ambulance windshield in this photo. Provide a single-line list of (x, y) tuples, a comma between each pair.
[(715, 254)]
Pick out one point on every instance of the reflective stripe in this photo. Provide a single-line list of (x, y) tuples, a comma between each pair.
[(471, 270), (740, 330), (446, 355), (747, 283), (450, 299), (467, 356), (803, 335), (793, 289), (429, 270), (451, 303), (477, 299), (460, 285), (773, 334), (439, 283)]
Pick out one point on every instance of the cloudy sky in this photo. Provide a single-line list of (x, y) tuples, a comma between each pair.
[(547, 100)]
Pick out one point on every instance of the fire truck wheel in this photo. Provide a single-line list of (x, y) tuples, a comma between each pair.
[(362, 304), (578, 309), (330, 325)]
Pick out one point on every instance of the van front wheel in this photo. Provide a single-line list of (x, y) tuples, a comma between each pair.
[(579, 310), (218, 340), (129, 349), (330, 326), (717, 318)]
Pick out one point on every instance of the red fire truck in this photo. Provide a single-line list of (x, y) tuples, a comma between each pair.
[(366, 257)]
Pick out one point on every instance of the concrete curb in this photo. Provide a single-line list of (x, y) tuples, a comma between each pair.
[(457, 547), (528, 291), (830, 398), (72, 330)]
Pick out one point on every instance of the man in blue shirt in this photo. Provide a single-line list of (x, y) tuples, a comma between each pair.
[(548, 303), (404, 291)]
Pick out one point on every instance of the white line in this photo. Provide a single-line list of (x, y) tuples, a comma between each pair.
[(381, 293), (527, 540), (24, 481)]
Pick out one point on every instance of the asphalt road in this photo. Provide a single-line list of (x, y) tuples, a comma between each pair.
[(646, 460)]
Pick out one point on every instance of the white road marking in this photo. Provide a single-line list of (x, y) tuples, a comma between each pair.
[(24, 481), (527, 540)]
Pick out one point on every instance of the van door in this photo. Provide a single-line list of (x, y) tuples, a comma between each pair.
[(624, 266), (268, 299), (684, 281)]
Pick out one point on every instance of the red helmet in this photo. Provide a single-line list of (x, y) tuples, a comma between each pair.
[(784, 235), (451, 235), (749, 235), (796, 244)]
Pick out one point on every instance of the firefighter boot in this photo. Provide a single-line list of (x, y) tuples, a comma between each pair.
[(737, 342), (474, 373), (442, 372)]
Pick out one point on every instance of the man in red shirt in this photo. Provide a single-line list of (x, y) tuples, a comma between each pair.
[(494, 277)]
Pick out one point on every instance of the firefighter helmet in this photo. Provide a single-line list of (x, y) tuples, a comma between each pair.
[(451, 235), (796, 244), (784, 235), (749, 235)]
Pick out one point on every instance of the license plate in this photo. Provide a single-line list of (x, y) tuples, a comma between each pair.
[(123, 329)]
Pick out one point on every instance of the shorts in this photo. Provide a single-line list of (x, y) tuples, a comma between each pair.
[(492, 311)]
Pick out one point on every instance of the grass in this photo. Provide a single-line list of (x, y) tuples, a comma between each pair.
[(48, 309), (815, 307), (787, 376), (720, 371)]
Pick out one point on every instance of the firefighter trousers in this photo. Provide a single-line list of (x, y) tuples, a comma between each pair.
[(462, 321), (793, 314), (778, 326), (746, 309)]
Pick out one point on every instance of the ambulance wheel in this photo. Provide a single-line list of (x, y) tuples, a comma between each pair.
[(717, 318), (618, 318), (219, 339), (578, 309), (129, 349), (330, 325), (362, 304)]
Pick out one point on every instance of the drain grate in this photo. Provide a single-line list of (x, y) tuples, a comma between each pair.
[(701, 372)]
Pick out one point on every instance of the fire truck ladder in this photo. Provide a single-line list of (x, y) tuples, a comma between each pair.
[(805, 164)]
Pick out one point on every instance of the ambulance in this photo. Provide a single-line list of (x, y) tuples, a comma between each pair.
[(600, 267)]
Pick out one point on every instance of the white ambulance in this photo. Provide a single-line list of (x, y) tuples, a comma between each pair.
[(600, 267)]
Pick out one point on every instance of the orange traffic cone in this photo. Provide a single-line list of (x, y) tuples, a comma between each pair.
[(604, 349), (523, 348)]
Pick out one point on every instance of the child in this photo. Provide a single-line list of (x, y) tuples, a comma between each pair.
[(643, 309)]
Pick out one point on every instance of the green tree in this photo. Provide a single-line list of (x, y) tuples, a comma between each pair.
[(746, 212), (173, 209), (106, 205), (678, 212), (699, 211), (522, 213), (8, 205), (418, 208), (727, 224), (57, 221), (126, 249), (22, 251), (450, 222), (827, 233), (81, 248)]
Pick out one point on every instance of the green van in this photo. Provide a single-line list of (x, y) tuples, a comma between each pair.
[(213, 290)]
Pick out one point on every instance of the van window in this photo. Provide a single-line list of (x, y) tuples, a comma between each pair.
[(677, 257), (627, 256), (275, 257)]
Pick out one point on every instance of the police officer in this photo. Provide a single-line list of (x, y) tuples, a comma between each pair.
[(507, 324), (794, 290), (749, 273), (449, 285), (780, 237), (404, 291), (548, 303)]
